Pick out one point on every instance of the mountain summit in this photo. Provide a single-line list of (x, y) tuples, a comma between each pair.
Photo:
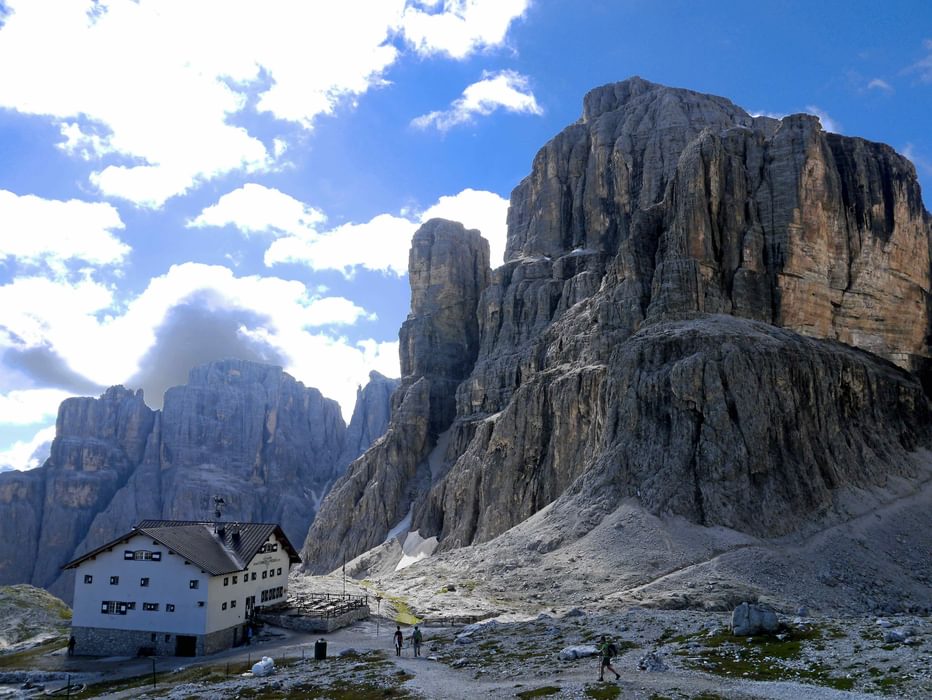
[(712, 316)]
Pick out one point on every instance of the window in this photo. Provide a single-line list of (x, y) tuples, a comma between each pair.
[(168, 637), (194, 583), (169, 607), (131, 606), (144, 582), (114, 580), (264, 574), (232, 603), (279, 571), (200, 603), (223, 607), (152, 636), (150, 607), (253, 575), (142, 555), (88, 578), (113, 607), (235, 579), (226, 581)]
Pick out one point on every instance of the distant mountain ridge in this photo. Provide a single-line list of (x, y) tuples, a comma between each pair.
[(249, 432)]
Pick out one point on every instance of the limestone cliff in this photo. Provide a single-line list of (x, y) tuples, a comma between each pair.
[(248, 432), (726, 317), (448, 269)]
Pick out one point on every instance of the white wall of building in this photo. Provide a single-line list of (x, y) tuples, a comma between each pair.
[(219, 618), (169, 584)]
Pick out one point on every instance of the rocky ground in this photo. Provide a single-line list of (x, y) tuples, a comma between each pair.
[(30, 616)]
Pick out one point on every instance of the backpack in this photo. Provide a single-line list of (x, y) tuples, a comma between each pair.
[(417, 636), (612, 650)]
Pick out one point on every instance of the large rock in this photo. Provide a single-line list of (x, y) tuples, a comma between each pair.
[(448, 269), (721, 316), (749, 619), (370, 416)]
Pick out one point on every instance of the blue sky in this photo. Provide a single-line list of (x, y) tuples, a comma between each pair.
[(186, 180)]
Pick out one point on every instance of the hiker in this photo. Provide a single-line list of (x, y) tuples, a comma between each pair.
[(416, 639), (607, 650), (71, 644), (399, 640)]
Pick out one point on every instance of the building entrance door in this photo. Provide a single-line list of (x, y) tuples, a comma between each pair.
[(185, 645)]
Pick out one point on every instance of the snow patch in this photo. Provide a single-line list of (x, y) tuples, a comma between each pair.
[(415, 548), (399, 529)]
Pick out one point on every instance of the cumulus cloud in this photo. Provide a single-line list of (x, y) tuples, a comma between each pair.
[(37, 230), (150, 88), (828, 123), (505, 90), (28, 454), (29, 406), (881, 85), (193, 313), (380, 244), (255, 208), (457, 28)]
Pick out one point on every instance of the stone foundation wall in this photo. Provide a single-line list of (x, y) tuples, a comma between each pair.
[(99, 641)]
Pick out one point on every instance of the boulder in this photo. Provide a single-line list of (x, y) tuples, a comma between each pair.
[(750, 619)]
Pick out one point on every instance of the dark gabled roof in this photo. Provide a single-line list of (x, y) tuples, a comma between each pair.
[(216, 554)]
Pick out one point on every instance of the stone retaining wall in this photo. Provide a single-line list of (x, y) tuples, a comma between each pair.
[(99, 641), (300, 622)]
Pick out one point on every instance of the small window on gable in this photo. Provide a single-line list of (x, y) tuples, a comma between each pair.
[(88, 578), (226, 580), (253, 575), (144, 581), (194, 583), (169, 607), (235, 579), (223, 607), (265, 574), (232, 603), (279, 571), (114, 580)]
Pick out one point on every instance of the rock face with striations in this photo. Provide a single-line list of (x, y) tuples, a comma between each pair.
[(722, 316), (248, 432), (448, 270), (370, 416)]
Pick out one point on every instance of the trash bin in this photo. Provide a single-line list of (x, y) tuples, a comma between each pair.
[(320, 649)]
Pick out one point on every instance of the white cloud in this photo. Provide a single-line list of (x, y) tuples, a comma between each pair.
[(380, 244), (28, 406), (924, 65), (462, 27), (506, 90), (880, 84), (828, 123), (479, 209), (38, 230), (920, 161), (104, 341), (155, 83), (28, 454), (258, 209)]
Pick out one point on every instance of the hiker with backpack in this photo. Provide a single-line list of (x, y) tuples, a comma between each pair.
[(399, 639), (607, 651), (416, 639)]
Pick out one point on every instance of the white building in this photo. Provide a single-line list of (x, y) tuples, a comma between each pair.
[(177, 588)]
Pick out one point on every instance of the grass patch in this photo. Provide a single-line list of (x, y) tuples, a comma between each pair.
[(542, 692), (607, 691), (23, 659), (763, 658)]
